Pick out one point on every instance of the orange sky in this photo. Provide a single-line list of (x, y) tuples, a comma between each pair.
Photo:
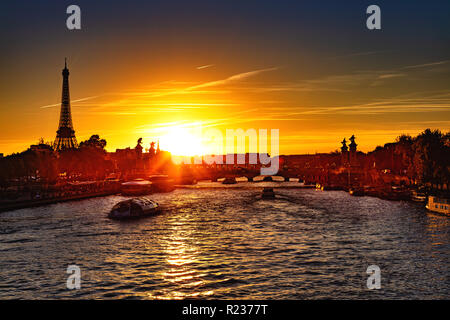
[(316, 85), (214, 98)]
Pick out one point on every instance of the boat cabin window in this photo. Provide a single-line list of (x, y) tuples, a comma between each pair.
[(121, 207)]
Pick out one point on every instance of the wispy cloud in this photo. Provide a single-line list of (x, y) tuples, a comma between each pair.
[(229, 119), (424, 65), (350, 81), (391, 75), (205, 66), (71, 101), (236, 77), (424, 105), (195, 88)]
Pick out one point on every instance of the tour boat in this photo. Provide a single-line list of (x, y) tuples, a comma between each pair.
[(357, 192), (418, 196), (399, 193), (133, 208), (438, 205), (371, 191), (268, 193), (161, 183), (229, 181), (186, 180), (327, 187), (137, 187)]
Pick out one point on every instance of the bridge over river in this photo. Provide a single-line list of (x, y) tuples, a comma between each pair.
[(215, 172)]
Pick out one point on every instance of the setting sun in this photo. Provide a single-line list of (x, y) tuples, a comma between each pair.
[(181, 141)]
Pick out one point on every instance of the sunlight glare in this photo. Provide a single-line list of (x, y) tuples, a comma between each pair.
[(181, 141)]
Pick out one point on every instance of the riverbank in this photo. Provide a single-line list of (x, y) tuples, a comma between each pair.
[(41, 202), (381, 193), (14, 205)]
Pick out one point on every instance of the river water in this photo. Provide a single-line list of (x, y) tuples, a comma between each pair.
[(212, 242)]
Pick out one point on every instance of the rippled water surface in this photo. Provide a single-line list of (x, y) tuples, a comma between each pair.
[(228, 244)]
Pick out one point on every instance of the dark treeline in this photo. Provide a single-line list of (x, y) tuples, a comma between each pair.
[(40, 163), (423, 159)]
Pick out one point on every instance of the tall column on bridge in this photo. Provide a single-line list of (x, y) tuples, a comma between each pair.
[(344, 153), (353, 158)]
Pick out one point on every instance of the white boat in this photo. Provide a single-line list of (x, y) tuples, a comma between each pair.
[(133, 208), (438, 205)]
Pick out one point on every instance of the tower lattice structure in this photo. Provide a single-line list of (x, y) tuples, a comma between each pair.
[(65, 136)]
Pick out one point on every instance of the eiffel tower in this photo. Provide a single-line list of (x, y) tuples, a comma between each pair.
[(65, 136)]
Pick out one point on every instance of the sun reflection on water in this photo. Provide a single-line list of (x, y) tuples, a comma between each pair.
[(181, 257), (436, 223)]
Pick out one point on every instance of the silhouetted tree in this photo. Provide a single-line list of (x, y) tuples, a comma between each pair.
[(94, 142), (432, 157)]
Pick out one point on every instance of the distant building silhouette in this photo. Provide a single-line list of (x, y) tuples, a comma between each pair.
[(65, 136)]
